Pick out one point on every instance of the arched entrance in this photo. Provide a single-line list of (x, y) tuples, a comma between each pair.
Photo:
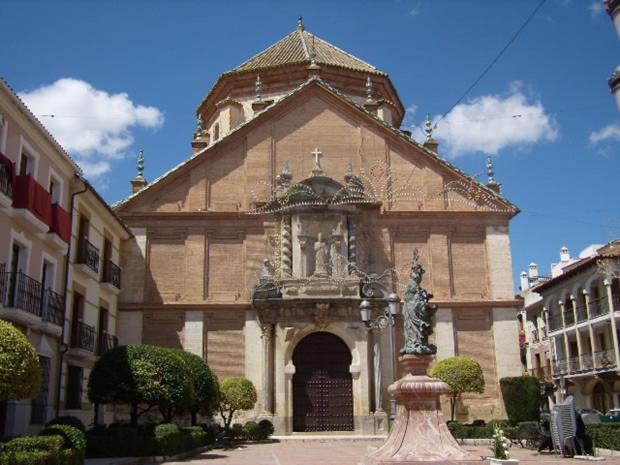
[(322, 384), (599, 398)]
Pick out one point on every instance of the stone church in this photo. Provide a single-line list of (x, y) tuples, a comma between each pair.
[(302, 199)]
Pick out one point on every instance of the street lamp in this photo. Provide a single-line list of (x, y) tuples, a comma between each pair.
[(381, 322)]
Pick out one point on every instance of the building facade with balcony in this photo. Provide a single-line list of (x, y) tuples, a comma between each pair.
[(43, 200), (94, 282), (536, 355), (581, 309)]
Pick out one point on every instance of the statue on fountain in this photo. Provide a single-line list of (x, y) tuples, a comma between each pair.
[(418, 314)]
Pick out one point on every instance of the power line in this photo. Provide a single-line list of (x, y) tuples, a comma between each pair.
[(495, 60)]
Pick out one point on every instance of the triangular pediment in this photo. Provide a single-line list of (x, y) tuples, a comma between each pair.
[(238, 172)]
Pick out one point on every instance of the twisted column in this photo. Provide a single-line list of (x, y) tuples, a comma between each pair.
[(287, 247)]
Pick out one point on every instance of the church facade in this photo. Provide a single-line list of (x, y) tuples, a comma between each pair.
[(303, 199)]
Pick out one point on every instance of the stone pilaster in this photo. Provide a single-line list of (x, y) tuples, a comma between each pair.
[(267, 333)]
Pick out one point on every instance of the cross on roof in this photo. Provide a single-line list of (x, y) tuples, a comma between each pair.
[(317, 170)]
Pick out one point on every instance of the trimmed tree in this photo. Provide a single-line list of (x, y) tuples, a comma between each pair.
[(20, 374), (141, 374), (521, 397), (235, 394), (461, 374), (204, 383)]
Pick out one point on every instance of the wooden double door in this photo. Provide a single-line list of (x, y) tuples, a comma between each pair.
[(322, 384)]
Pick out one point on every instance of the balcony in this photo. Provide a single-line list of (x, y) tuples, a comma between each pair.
[(573, 364), (88, 258), (106, 342), (560, 367), (33, 203), (555, 322), (53, 310), (587, 362), (61, 223), (111, 275), (582, 313), (605, 359), (543, 373), (83, 336), (20, 298), (569, 318), (599, 307), (7, 169)]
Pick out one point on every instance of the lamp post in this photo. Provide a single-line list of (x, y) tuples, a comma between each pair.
[(387, 320)]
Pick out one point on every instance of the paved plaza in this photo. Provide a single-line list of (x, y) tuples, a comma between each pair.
[(333, 452)]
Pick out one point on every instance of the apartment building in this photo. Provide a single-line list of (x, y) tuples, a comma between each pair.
[(536, 355), (580, 304), (48, 213)]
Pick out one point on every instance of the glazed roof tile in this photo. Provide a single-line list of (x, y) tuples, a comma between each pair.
[(299, 47)]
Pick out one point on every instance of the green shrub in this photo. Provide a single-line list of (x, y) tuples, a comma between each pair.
[(461, 374), (237, 431), (211, 430), (20, 374), (120, 440), (68, 420), (32, 448), (521, 398), (605, 435), (252, 431), (461, 431), (171, 440), (197, 436), (37, 457), (266, 428), (141, 374), (235, 394), (73, 437)]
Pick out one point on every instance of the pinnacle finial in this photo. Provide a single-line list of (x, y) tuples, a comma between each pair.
[(369, 88), (141, 164), (199, 126), (259, 88), (428, 127), (300, 23), (490, 170)]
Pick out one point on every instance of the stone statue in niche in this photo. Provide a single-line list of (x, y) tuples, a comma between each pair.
[(267, 271), (418, 314), (321, 257)]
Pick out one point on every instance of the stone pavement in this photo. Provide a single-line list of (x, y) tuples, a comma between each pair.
[(341, 452)]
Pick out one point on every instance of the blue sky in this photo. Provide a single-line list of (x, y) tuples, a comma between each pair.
[(125, 76)]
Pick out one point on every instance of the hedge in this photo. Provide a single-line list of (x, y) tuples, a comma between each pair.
[(124, 440), (605, 435), (33, 450), (521, 397), (74, 446), (68, 420)]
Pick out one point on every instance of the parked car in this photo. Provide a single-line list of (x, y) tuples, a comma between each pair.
[(590, 416), (612, 416)]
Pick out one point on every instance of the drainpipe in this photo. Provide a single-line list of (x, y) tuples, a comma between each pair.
[(63, 347)]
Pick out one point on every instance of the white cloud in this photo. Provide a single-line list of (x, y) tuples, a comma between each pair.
[(415, 11), (609, 133), (91, 124), (490, 123), (596, 8)]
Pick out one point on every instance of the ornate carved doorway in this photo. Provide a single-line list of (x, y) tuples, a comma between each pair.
[(322, 384)]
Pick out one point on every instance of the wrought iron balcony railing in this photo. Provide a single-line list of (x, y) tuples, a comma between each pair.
[(569, 317), (21, 291), (53, 307), (542, 372), (555, 322), (88, 255), (83, 336), (582, 313), (573, 364), (599, 307), (111, 274), (106, 342), (604, 359), (6, 179)]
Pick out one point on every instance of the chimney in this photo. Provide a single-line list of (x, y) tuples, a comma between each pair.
[(533, 270), (201, 136), (432, 145), (525, 283), (564, 254)]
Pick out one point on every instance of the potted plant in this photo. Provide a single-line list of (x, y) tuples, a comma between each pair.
[(500, 447)]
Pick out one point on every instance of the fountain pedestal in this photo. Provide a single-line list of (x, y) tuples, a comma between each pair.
[(419, 435)]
